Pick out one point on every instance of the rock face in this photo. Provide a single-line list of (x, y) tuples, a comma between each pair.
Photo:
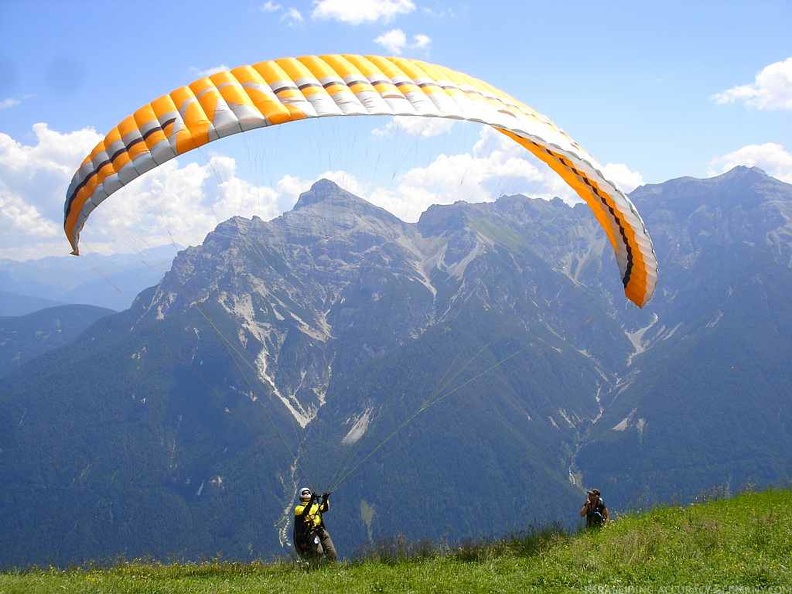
[(458, 377)]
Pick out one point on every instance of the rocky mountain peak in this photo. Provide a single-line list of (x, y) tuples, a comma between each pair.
[(329, 199), (439, 219), (738, 187), (742, 173), (329, 194), (321, 191)]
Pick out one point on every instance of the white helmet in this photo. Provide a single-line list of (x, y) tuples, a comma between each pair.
[(305, 494)]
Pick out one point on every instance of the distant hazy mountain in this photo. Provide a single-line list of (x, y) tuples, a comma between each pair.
[(92, 279), (461, 376), (13, 304), (26, 337)]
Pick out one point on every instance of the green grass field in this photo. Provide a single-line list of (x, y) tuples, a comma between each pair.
[(742, 544)]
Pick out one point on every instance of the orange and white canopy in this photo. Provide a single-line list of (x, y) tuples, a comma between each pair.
[(279, 91)]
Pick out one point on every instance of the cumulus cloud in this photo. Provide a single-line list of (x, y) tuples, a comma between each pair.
[(495, 167), (625, 178), (347, 181), (492, 168), (173, 202), (415, 126), (289, 189), (773, 158), (356, 12), (772, 89), (270, 6), (450, 178), (181, 201), (395, 41), (553, 186), (21, 218), (33, 181)]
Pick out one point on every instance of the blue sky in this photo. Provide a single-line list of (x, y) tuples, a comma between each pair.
[(652, 90)]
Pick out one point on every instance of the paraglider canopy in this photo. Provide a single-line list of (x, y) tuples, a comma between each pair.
[(288, 89)]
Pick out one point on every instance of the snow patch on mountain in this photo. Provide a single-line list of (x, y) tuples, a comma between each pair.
[(637, 339), (360, 424), (300, 414), (566, 417), (164, 305), (714, 321), (631, 421)]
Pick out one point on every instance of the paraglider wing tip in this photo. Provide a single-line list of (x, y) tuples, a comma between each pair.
[(75, 252)]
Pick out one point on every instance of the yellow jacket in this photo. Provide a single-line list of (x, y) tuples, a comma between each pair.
[(312, 516)]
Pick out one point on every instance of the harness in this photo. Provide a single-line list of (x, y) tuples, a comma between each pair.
[(595, 517), (305, 531)]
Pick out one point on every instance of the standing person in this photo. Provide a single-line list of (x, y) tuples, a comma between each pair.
[(594, 509), (311, 538)]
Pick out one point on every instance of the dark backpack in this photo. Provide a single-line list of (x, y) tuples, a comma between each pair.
[(596, 518)]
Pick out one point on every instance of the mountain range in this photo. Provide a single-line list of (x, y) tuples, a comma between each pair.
[(111, 281), (464, 376)]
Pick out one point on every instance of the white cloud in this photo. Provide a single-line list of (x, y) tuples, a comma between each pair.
[(395, 41), (421, 41), (496, 165), (415, 126), (292, 16), (347, 181), (173, 202), (182, 201), (8, 103), (289, 189), (33, 182), (20, 218), (356, 12), (480, 176), (208, 71), (177, 202), (773, 158), (270, 6), (625, 178), (772, 88)]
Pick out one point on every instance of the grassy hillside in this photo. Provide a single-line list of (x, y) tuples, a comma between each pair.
[(745, 541)]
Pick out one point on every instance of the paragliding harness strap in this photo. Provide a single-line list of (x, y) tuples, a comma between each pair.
[(306, 534), (596, 517)]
